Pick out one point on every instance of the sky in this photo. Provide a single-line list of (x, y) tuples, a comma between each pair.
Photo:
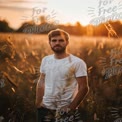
[(59, 11)]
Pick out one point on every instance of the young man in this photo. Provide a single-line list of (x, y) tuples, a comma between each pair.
[(63, 82)]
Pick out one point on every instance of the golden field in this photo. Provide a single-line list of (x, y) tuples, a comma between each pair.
[(20, 58)]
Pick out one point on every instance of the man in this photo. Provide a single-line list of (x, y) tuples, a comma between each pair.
[(63, 82)]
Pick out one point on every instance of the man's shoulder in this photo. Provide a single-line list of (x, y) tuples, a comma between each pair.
[(77, 59), (47, 57)]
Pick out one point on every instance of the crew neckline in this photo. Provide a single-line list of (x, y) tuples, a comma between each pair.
[(61, 58)]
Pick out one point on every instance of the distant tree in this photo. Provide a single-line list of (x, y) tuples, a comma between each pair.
[(4, 27), (100, 30), (24, 26), (39, 26), (80, 30), (117, 26), (89, 30), (43, 19)]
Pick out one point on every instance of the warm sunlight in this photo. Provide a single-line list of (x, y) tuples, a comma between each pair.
[(61, 12), (16, 12), (61, 60)]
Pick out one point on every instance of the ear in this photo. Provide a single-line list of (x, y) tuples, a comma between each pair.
[(67, 42)]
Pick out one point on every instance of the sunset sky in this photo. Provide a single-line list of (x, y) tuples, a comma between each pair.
[(61, 11)]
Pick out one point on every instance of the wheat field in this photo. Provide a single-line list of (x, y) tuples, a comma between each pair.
[(20, 58)]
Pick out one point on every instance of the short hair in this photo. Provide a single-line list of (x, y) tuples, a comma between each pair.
[(58, 32)]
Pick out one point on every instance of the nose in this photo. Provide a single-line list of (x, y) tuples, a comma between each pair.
[(57, 42)]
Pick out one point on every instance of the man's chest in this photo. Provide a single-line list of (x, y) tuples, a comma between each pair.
[(61, 69)]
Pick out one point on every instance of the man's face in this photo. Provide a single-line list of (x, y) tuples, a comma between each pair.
[(58, 44)]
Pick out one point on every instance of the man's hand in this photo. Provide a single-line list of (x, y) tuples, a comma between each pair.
[(65, 109)]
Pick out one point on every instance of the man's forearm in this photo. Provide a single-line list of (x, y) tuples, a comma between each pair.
[(39, 96), (39, 91), (82, 92)]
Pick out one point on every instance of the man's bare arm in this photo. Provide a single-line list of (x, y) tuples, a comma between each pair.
[(83, 89), (40, 90)]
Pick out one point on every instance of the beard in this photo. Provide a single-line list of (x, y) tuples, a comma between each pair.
[(58, 49)]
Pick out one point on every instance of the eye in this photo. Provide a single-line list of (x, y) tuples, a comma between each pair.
[(54, 40), (61, 40)]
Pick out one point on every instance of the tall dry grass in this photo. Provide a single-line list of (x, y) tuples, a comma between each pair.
[(20, 58)]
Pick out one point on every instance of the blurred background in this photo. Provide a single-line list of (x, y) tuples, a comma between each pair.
[(95, 29)]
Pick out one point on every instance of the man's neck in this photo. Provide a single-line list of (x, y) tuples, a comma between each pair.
[(62, 55)]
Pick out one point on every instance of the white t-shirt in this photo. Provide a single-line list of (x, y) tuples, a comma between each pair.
[(60, 82)]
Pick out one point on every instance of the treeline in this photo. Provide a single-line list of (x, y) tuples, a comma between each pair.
[(114, 28)]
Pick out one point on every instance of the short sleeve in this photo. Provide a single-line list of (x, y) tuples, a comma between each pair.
[(80, 69), (42, 70), (40, 81)]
